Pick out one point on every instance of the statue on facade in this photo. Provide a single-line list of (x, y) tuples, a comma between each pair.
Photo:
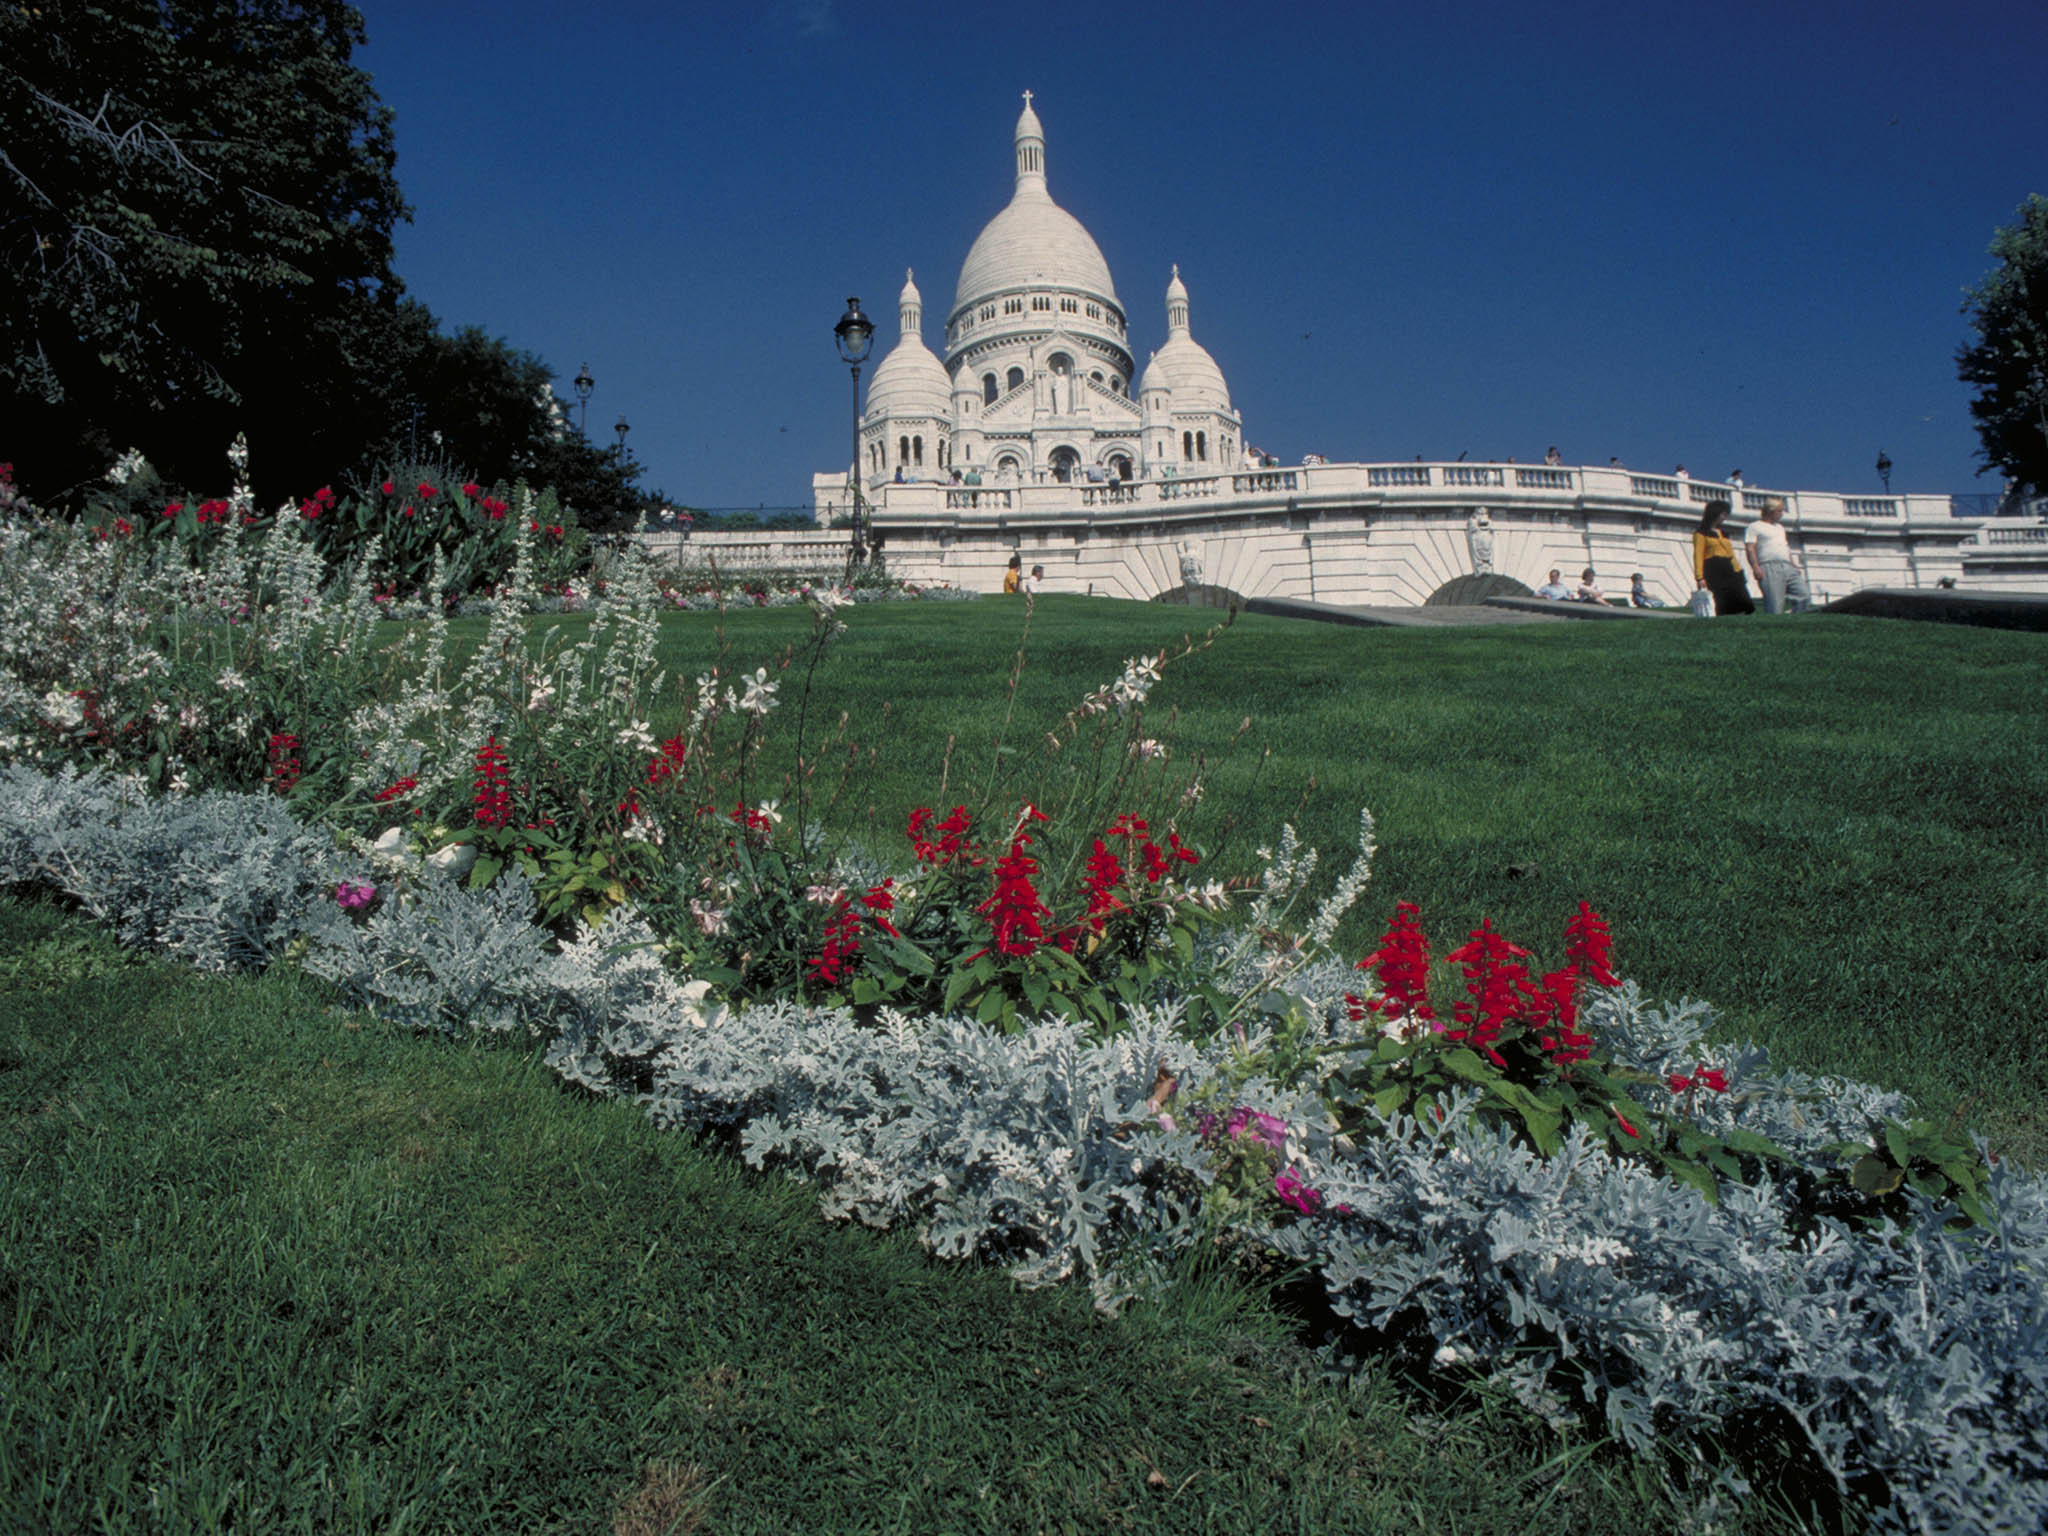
[(1479, 538), (1190, 569)]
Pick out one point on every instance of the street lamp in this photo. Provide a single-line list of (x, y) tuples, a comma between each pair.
[(584, 384), (1884, 469), (855, 334), (622, 429)]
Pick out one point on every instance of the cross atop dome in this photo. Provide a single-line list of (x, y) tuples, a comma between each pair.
[(1030, 149)]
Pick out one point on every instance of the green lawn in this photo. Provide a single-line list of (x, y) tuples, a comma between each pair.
[(269, 1266), (1834, 829)]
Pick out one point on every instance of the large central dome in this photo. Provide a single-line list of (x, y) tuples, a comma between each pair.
[(1034, 242)]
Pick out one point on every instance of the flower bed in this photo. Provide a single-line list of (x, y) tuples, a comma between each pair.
[(1906, 1355), (1039, 1032)]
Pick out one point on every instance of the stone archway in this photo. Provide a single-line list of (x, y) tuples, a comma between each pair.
[(1200, 596), (1065, 464), (1470, 590)]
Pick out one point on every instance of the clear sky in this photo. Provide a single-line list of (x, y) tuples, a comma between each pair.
[(1722, 234)]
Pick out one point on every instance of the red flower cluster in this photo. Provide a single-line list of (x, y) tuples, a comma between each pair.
[(1105, 874), (1499, 989), (952, 843), (493, 790), (1015, 914), (1158, 865), (494, 509), (173, 508), (212, 512), (388, 488), (1589, 947), (471, 489), (668, 761), (1402, 964), (842, 932), (398, 791), (426, 491), (1703, 1076), (753, 818), (320, 501), (284, 762)]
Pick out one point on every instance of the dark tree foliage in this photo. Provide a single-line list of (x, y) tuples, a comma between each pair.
[(2009, 360), (196, 205), (475, 401)]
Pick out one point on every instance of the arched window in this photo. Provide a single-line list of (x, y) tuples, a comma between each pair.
[(917, 449), (1016, 378), (902, 451), (1120, 466), (988, 389), (1060, 363), (1187, 445), (1064, 462), (1202, 446), (1116, 385)]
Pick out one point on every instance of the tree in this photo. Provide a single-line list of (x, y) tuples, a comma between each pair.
[(2009, 361), (196, 205)]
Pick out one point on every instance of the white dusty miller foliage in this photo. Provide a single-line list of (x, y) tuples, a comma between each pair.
[(1911, 1360)]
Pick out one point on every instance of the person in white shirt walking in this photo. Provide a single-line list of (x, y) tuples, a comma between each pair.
[(1770, 558)]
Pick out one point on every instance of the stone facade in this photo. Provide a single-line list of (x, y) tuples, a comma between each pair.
[(1038, 384)]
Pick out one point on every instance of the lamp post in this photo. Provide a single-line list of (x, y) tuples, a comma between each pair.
[(855, 334), (622, 428), (583, 384), (1884, 469)]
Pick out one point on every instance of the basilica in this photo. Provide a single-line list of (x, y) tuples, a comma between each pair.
[(1038, 383)]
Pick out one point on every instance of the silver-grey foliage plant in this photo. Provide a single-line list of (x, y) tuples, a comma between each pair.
[(1914, 1355)]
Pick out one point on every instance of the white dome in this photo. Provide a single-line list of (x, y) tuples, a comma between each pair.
[(1183, 367), (910, 381), (1034, 242)]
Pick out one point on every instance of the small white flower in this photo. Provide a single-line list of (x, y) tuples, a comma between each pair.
[(230, 681), (63, 709), (180, 782), (1148, 749), (636, 733), (760, 694), (1445, 1355)]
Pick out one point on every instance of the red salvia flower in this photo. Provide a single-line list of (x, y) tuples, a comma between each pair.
[(471, 489), (284, 762), (1590, 947), (1105, 874), (950, 846), (880, 901), (842, 943), (1554, 1014), (398, 791), (493, 792), (1015, 913), (668, 761), (1497, 990), (427, 491), (1402, 965)]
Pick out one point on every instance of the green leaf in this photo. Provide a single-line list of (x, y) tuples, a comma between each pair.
[(991, 1008), (1873, 1176), (484, 871), (957, 986), (1895, 1142), (1686, 1171)]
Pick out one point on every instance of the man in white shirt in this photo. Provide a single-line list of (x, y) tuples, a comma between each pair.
[(1770, 558), (1554, 589)]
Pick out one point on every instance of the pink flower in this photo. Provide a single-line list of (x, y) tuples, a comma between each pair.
[(353, 898), (1296, 1192)]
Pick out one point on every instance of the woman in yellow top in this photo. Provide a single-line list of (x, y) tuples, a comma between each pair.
[(1013, 576), (1713, 563)]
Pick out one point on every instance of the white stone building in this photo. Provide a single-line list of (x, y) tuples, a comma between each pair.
[(1038, 384)]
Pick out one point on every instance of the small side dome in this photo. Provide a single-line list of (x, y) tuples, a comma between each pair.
[(1183, 367), (910, 380)]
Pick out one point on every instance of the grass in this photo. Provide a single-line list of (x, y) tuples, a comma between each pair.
[(1834, 829), (266, 1265)]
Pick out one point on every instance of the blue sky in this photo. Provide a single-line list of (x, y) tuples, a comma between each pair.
[(1717, 234)]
